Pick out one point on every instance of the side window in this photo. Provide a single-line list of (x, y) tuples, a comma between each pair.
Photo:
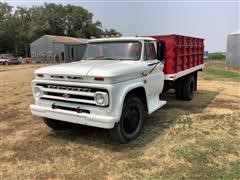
[(150, 52)]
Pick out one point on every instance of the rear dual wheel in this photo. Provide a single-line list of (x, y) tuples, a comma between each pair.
[(189, 86), (184, 88)]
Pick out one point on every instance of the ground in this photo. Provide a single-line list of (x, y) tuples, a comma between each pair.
[(199, 139)]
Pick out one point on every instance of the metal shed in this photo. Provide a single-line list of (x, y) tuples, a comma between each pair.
[(49, 48), (233, 50)]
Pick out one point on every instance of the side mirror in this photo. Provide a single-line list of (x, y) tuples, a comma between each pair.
[(160, 51)]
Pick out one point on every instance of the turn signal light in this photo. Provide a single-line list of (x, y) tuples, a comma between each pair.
[(99, 78), (39, 75)]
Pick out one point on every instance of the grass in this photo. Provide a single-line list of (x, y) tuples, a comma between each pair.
[(4, 68), (215, 69), (196, 139), (221, 73)]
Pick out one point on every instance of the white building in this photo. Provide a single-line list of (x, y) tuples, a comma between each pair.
[(49, 48), (233, 50)]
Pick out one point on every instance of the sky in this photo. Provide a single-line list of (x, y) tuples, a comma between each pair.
[(208, 19)]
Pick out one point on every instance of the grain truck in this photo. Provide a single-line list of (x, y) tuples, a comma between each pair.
[(117, 82)]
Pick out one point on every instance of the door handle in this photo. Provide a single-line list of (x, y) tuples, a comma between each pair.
[(152, 64)]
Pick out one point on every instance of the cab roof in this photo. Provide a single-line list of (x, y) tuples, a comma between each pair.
[(122, 39)]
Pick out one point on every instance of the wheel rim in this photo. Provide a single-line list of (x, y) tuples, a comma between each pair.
[(131, 120)]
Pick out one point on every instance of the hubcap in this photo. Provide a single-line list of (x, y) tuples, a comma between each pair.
[(131, 120)]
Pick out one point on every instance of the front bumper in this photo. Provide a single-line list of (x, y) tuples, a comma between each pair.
[(106, 122)]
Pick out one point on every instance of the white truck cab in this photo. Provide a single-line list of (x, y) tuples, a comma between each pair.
[(117, 80)]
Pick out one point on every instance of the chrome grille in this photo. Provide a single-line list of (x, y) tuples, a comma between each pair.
[(66, 93), (51, 86)]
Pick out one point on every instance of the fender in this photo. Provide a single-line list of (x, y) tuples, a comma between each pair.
[(122, 93)]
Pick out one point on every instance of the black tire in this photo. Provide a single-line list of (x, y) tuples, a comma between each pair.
[(188, 88), (131, 122), (56, 124), (6, 63), (178, 88)]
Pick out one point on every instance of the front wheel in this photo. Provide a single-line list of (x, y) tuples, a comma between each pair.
[(56, 125), (131, 122)]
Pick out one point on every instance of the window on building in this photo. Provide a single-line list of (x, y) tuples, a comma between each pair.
[(62, 54), (72, 52)]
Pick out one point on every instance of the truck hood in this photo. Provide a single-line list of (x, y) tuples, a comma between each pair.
[(116, 70)]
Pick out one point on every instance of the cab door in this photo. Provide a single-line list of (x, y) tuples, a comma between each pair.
[(154, 76)]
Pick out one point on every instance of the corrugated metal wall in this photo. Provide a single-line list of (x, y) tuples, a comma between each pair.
[(46, 50), (233, 51), (74, 52)]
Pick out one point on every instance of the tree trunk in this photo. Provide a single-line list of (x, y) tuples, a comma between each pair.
[(26, 50)]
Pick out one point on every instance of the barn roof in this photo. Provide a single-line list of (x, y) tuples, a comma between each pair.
[(67, 40)]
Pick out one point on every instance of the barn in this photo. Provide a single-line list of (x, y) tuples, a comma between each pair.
[(233, 50), (50, 48)]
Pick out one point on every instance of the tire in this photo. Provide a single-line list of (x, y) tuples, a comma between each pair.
[(131, 121), (56, 124), (178, 89), (6, 63), (188, 88)]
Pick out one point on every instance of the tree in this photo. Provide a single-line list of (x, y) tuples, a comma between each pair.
[(19, 28), (111, 32), (5, 14)]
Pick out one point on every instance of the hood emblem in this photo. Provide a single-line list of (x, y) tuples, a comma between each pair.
[(65, 95)]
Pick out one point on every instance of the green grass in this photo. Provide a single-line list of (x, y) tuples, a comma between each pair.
[(221, 73), (215, 69)]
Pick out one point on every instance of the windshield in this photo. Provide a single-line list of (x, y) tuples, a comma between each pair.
[(117, 50)]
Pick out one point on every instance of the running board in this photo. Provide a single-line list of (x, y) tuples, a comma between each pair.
[(156, 105)]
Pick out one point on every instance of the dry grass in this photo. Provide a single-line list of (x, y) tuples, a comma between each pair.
[(193, 140), (20, 66)]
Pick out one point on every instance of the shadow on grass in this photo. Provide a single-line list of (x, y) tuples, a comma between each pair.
[(155, 124)]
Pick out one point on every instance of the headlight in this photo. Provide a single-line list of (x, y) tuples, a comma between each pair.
[(37, 92), (101, 98)]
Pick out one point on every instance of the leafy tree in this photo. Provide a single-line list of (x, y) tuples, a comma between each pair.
[(19, 28), (111, 32), (5, 14), (216, 55)]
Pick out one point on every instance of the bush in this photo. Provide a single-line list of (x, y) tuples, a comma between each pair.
[(216, 55)]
